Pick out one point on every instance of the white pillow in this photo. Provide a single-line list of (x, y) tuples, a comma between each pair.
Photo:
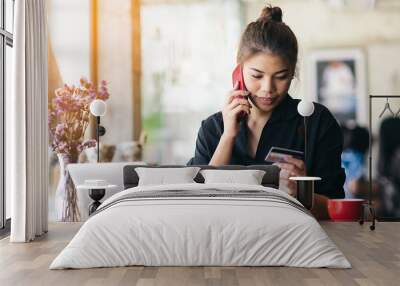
[(248, 177), (163, 176)]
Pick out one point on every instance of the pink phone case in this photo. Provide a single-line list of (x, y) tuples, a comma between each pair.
[(237, 76)]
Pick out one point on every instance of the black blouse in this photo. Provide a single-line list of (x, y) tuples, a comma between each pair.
[(285, 129)]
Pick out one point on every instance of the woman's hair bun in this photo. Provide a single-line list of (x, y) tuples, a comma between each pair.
[(270, 13)]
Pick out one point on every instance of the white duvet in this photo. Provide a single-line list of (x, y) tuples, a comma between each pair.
[(183, 231)]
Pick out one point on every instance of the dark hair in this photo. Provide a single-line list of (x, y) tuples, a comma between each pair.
[(269, 34)]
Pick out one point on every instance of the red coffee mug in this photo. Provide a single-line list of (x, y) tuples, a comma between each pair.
[(345, 209)]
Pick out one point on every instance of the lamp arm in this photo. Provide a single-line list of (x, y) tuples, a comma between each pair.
[(98, 138), (305, 145)]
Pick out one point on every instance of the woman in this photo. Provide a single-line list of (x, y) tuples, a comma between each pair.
[(268, 57)]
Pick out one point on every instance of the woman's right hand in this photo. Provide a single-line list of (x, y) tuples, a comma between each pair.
[(234, 104)]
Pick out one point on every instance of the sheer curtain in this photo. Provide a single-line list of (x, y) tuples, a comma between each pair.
[(27, 136)]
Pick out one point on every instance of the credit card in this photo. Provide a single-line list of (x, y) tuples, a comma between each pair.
[(279, 155)]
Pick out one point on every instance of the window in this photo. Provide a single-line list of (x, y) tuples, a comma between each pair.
[(6, 44), (176, 97)]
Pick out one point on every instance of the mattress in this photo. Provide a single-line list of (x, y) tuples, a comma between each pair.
[(201, 225)]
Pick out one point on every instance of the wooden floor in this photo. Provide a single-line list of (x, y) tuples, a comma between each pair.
[(375, 257)]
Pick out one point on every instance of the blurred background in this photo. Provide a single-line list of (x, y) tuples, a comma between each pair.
[(168, 65)]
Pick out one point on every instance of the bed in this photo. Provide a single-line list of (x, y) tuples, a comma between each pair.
[(201, 224)]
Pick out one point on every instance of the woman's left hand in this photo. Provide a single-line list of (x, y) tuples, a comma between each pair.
[(291, 168)]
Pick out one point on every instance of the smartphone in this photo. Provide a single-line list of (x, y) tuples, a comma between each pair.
[(279, 155), (237, 77)]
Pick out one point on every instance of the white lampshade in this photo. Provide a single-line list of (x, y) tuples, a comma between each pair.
[(305, 108), (98, 107)]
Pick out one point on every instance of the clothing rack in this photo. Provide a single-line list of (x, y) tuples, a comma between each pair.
[(369, 204)]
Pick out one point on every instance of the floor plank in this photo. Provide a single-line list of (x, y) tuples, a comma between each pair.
[(374, 255)]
